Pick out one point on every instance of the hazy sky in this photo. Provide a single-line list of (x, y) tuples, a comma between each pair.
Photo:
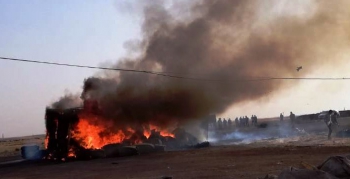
[(91, 32), (79, 32)]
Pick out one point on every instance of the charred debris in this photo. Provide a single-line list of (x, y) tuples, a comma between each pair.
[(61, 146)]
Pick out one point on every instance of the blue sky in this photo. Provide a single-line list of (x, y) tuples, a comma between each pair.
[(80, 32)]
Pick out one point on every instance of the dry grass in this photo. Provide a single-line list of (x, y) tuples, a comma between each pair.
[(12, 146)]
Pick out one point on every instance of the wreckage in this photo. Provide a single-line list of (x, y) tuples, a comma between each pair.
[(69, 135), (335, 167)]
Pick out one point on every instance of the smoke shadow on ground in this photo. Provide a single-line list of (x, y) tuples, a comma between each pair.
[(273, 130)]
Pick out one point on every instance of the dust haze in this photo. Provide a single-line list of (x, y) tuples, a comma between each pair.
[(221, 40)]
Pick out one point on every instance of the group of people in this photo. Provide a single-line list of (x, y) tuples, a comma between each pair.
[(239, 122), (254, 120), (330, 118), (224, 124), (244, 121), (291, 117)]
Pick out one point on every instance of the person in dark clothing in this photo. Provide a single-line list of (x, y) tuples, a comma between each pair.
[(292, 119), (246, 120), (281, 117), (256, 120), (241, 122), (219, 124), (330, 120), (229, 123), (224, 124)]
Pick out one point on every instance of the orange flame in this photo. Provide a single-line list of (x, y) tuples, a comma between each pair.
[(94, 135), (166, 134), (71, 153), (46, 142), (146, 133), (90, 135), (163, 133)]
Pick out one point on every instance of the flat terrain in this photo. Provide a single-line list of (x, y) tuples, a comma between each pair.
[(245, 159), (233, 161), (10, 147)]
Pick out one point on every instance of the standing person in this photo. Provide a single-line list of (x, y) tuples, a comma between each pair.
[(292, 119), (219, 124), (224, 123), (229, 123), (256, 120), (281, 117), (331, 118), (237, 122), (247, 121), (253, 120)]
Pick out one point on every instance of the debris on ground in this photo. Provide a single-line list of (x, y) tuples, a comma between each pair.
[(262, 125), (167, 177), (295, 173), (335, 167), (308, 166), (338, 166), (202, 145), (145, 148)]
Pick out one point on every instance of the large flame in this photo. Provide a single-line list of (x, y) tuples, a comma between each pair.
[(163, 133), (92, 134), (90, 137)]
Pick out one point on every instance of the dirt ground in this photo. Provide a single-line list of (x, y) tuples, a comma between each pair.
[(241, 160), (234, 161)]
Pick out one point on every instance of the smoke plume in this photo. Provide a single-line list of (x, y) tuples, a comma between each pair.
[(220, 40), (67, 101)]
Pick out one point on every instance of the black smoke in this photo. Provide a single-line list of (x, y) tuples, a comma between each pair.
[(221, 40)]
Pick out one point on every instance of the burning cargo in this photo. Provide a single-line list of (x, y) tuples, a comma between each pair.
[(79, 133), (58, 131)]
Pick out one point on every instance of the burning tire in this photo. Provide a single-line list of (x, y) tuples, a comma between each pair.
[(128, 151), (112, 150), (97, 154), (159, 148), (145, 148), (88, 154), (155, 141), (171, 143), (202, 145)]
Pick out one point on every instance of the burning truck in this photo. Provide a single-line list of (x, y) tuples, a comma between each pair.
[(78, 133)]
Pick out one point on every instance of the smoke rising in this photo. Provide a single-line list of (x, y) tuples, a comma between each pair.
[(217, 39), (67, 101)]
